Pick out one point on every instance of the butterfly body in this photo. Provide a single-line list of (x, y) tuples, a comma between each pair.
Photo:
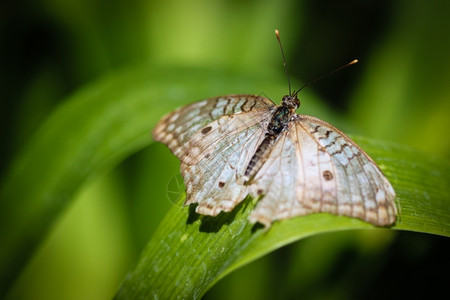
[(236, 145), (279, 120)]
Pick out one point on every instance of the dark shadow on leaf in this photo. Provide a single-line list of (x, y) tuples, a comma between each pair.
[(257, 226), (214, 224), (192, 216)]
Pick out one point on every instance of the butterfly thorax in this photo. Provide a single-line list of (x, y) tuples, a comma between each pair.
[(280, 119)]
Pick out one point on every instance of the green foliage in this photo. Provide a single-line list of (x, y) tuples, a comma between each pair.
[(204, 249), (123, 108), (83, 188), (95, 129)]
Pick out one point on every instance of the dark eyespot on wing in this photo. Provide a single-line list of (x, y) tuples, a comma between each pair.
[(327, 175), (206, 129)]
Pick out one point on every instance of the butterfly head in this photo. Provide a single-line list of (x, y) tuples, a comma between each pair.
[(291, 101)]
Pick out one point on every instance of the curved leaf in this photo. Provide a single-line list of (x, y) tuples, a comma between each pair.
[(91, 132), (189, 253), (107, 121)]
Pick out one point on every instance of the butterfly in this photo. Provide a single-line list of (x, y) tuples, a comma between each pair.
[(235, 145), (238, 145)]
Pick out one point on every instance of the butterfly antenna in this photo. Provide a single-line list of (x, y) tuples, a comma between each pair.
[(326, 75), (277, 33)]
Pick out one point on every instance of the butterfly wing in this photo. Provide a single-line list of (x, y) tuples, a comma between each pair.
[(314, 167), (214, 140), (176, 128), (277, 181)]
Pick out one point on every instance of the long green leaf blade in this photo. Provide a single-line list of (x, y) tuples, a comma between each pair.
[(189, 253), (107, 121), (90, 133)]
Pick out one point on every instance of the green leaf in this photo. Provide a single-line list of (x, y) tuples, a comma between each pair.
[(112, 118), (189, 253), (89, 134)]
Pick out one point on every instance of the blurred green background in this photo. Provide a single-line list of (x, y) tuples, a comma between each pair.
[(398, 92)]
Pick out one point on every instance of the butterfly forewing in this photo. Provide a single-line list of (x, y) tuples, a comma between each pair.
[(176, 128), (215, 138)]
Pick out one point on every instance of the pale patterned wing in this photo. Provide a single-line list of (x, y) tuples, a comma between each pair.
[(330, 173), (212, 168), (215, 143), (276, 181), (176, 128)]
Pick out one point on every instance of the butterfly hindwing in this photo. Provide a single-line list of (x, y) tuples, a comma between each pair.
[(291, 178), (277, 183), (212, 181)]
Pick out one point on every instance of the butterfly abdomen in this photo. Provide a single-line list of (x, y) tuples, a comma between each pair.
[(257, 159)]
